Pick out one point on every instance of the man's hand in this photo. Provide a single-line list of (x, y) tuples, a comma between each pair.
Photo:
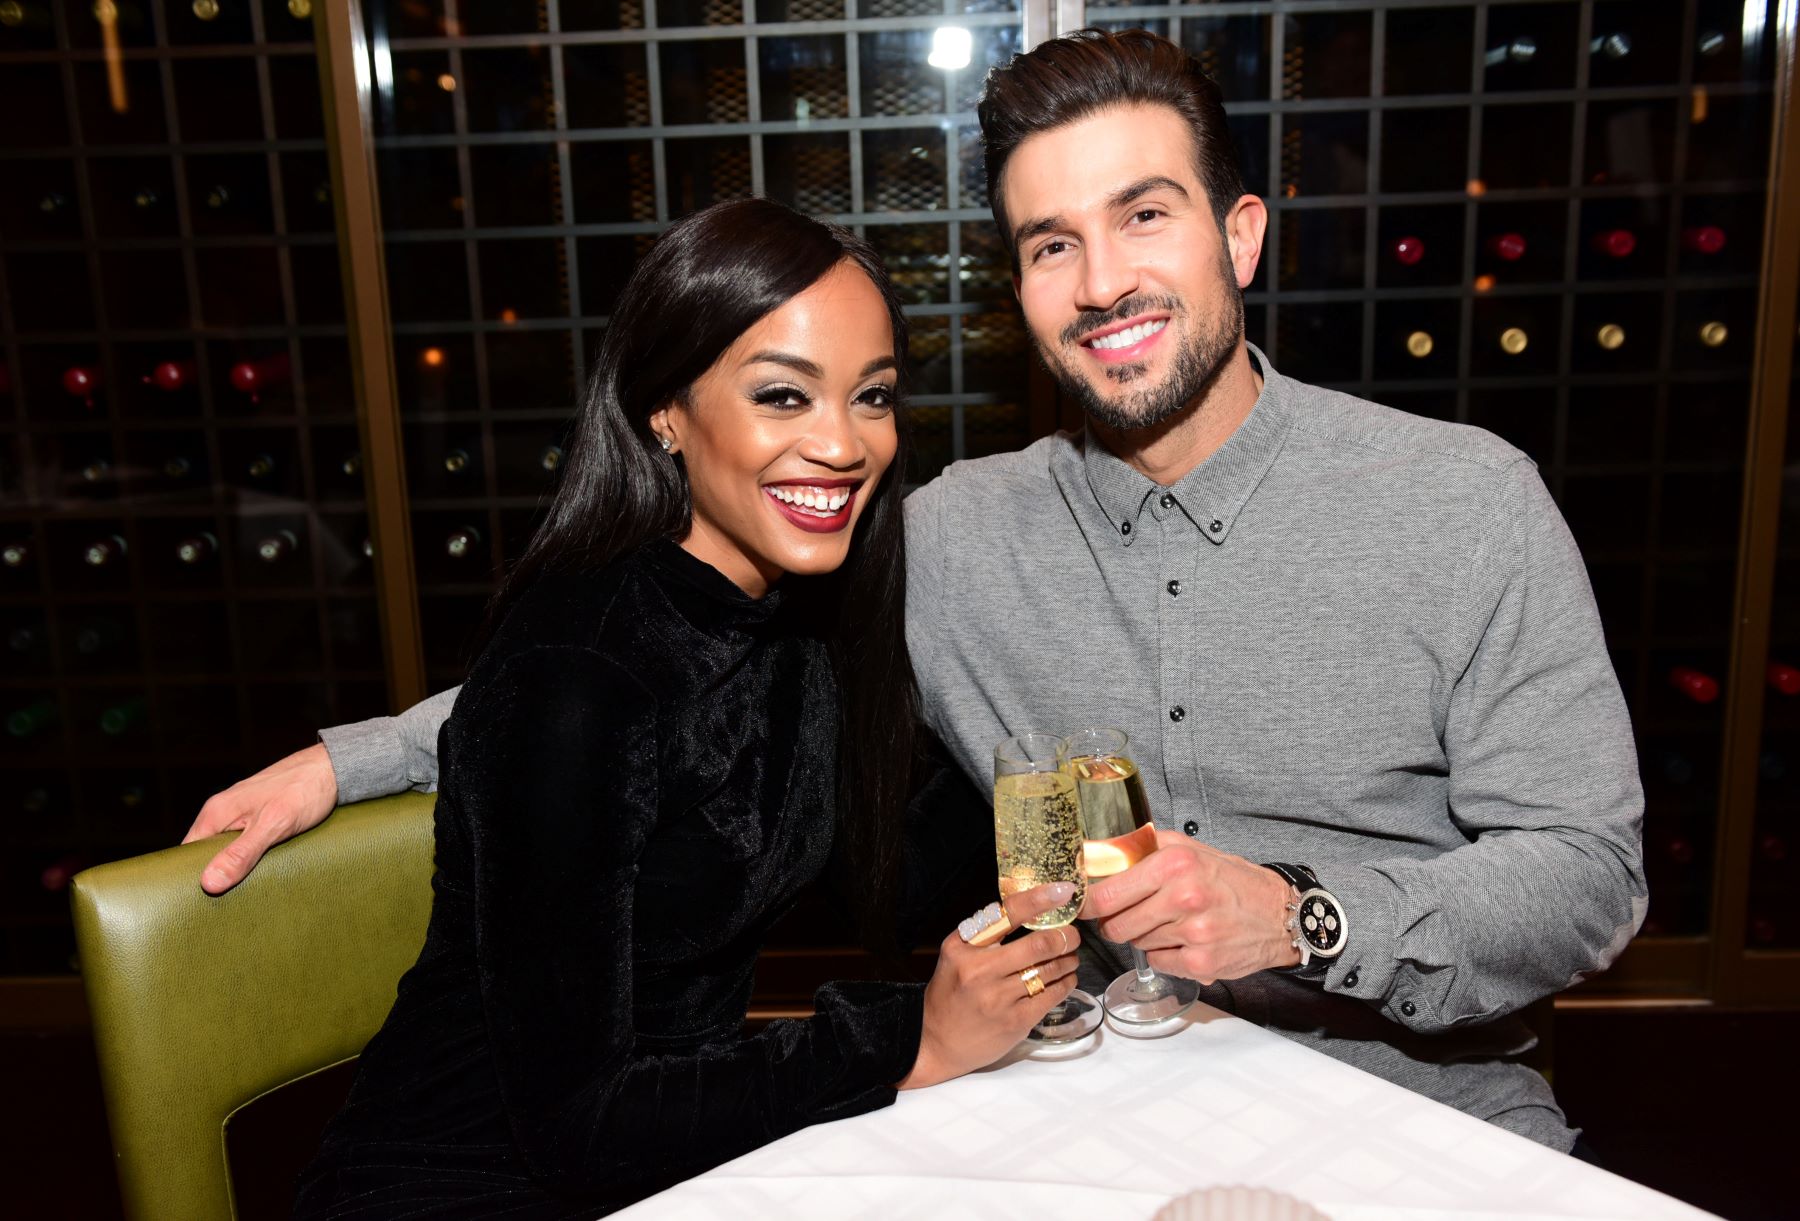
[(1197, 912), (278, 803)]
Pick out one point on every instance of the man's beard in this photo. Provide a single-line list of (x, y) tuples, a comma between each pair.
[(1202, 356)]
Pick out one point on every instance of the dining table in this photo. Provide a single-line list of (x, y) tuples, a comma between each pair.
[(1117, 1127)]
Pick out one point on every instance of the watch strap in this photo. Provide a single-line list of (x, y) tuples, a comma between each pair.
[(1302, 879)]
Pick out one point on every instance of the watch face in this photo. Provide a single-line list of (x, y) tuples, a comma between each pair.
[(1321, 924)]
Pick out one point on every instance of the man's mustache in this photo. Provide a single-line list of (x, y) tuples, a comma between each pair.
[(1093, 320)]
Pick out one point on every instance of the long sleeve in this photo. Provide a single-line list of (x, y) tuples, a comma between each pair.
[(947, 856), (1542, 781), (389, 754), (554, 777)]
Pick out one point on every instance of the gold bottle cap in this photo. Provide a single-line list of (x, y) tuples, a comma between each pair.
[(1611, 337), (1714, 334), (456, 460), (1419, 344), (206, 10), (1514, 340), (300, 8)]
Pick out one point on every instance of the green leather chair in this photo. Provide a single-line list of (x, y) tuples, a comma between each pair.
[(202, 1005)]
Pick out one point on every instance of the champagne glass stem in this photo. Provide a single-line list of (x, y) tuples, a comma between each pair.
[(1146, 973)]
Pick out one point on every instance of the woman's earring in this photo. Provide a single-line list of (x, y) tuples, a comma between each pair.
[(666, 443)]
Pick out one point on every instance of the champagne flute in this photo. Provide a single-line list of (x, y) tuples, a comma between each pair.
[(1037, 841), (1115, 816)]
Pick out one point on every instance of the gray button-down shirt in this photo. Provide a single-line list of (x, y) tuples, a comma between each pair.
[(1352, 639)]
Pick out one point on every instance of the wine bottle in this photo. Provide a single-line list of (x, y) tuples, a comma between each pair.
[(15, 15), (1703, 239), (462, 542), (14, 555), (1419, 344), (1613, 46), (1508, 246), (1784, 678), (1700, 687), (98, 636), (1711, 42), (123, 715), (252, 377), (352, 464), (277, 546), (1407, 251), (1714, 334), (217, 198), (52, 202), (456, 461), (197, 548), (261, 466), (171, 375), (144, 199), (105, 551), (1611, 337), (32, 719), (1514, 340), (552, 458), (57, 875), (81, 381), (96, 471), (177, 467), (1615, 243), (1521, 50), (368, 548)]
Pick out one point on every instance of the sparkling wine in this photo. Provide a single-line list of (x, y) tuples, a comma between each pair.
[(1037, 838), (1115, 813)]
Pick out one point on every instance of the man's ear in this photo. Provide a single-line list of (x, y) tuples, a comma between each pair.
[(1245, 226)]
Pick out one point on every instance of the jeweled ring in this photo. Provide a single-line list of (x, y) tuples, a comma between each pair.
[(988, 924), (1029, 977)]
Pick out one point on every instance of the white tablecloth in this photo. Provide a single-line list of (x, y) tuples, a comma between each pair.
[(1128, 1124)]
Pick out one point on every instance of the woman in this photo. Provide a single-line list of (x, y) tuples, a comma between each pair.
[(697, 661)]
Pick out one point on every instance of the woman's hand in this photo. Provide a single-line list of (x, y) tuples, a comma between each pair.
[(976, 1006), (279, 802)]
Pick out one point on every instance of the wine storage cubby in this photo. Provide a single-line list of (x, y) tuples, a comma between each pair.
[(1545, 218)]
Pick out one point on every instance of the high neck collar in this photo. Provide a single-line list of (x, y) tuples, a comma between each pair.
[(703, 590)]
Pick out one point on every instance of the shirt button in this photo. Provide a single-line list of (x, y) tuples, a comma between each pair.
[(1174, 589), (1408, 1008), (1215, 525), (1350, 980), (1190, 827), (1177, 712), (1124, 527), (1167, 501)]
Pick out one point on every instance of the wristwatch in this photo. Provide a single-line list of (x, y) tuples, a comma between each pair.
[(1316, 919)]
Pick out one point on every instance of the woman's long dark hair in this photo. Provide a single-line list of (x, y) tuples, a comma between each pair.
[(707, 280)]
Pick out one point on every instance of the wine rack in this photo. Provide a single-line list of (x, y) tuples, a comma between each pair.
[(1542, 217), (184, 586)]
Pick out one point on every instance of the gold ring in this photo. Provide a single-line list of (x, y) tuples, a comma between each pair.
[(1029, 977)]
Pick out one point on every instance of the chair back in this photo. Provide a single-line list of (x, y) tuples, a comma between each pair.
[(201, 1005)]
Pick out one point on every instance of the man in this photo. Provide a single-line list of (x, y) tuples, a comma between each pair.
[(1352, 644)]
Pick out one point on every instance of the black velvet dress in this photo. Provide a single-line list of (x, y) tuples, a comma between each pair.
[(638, 777)]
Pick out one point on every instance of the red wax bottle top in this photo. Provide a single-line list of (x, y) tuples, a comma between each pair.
[(172, 375), (1784, 678), (81, 380), (1615, 243), (253, 375), (1408, 251), (58, 875), (1701, 688), (1704, 239), (1508, 246)]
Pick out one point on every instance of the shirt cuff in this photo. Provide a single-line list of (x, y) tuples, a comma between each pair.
[(367, 758), (1370, 968)]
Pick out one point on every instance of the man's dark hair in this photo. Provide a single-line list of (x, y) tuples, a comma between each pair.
[(1069, 78)]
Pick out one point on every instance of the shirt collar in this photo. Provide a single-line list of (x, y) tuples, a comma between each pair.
[(1213, 493)]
